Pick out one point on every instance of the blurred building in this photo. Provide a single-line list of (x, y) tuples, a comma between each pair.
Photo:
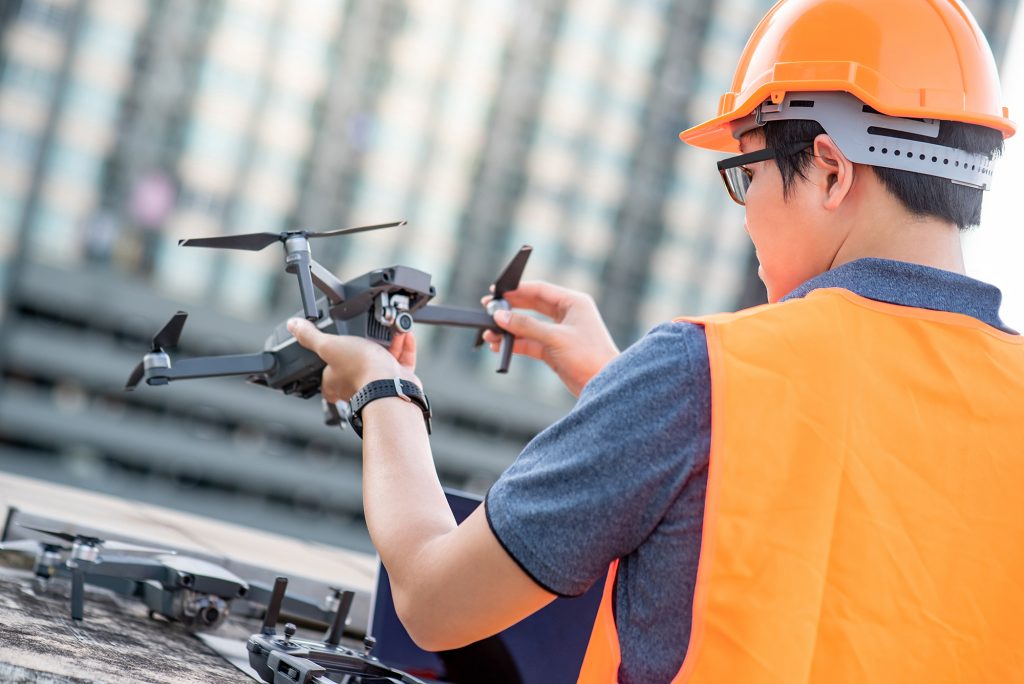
[(486, 124)]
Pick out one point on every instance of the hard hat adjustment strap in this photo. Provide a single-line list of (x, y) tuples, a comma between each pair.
[(868, 137)]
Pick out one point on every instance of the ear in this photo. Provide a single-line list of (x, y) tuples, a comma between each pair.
[(833, 172)]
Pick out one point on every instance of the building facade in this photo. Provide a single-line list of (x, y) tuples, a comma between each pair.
[(125, 127)]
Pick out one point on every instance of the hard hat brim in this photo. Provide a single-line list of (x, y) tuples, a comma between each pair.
[(717, 133)]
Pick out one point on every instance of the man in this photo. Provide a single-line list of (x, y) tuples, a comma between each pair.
[(820, 489)]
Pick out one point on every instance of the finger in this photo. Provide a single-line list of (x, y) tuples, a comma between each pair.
[(403, 347), (327, 385), (526, 326), (308, 335), (542, 297), (397, 344), (531, 348)]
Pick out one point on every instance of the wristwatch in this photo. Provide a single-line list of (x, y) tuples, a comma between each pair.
[(380, 389)]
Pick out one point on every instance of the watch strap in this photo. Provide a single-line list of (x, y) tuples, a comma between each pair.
[(382, 389)]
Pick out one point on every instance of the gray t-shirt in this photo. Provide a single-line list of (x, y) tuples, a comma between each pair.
[(623, 475)]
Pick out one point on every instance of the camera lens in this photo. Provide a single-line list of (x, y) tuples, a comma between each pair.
[(210, 615), (403, 322)]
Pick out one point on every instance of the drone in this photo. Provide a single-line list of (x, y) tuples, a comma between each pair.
[(178, 588), (376, 305), (287, 660), (198, 594)]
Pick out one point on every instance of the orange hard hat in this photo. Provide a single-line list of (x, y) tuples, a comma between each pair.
[(906, 58)]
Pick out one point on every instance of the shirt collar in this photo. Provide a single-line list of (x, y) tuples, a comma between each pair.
[(923, 287)]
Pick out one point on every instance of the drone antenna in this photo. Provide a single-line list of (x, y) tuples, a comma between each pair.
[(340, 616), (274, 607)]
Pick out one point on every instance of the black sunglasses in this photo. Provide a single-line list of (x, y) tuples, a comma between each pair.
[(737, 176)]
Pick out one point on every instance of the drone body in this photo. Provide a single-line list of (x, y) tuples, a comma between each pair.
[(179, 588), (376, 305)]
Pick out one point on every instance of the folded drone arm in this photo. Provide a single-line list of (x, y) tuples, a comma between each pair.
[(128, 567), (327, 283), (213, 366), (455, 316)]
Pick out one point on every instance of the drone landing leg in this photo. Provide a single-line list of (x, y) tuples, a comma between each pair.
[(507, 342), (77, 592), (297, 261)]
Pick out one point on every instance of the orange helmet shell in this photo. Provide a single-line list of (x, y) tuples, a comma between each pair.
[(907, 58)]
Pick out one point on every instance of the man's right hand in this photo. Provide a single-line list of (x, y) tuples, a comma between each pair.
[(575, 343)]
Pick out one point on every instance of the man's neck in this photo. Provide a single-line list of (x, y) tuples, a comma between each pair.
[(901, 236)]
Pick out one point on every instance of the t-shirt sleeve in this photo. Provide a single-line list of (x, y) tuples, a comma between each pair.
[(593, 486)]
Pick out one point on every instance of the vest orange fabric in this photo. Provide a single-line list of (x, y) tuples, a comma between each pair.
[(864, 517)]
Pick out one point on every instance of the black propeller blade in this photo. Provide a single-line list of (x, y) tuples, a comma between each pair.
[(136, 377), (170, 334), (254, 242), (66, 536), (97, 541), (251, 242), (357, 229), (32, 546), (167, 337), (506, 282), (509, 278)]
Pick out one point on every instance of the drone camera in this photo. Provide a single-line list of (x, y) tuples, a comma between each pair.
[(204, 611), (403, 322), (392, 313)]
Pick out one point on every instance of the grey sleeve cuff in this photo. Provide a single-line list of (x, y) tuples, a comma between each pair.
[(522, 566)]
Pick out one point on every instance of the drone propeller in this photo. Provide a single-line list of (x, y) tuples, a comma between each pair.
[(167, 337), (506, 282), (509, 278), (97, 541), (32, 546), (254, 242)]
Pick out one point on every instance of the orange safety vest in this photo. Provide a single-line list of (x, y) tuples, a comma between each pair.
[(864, 516)]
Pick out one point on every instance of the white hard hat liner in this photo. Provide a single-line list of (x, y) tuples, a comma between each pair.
[(861, 134)]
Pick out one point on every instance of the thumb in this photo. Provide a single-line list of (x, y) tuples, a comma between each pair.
[(307, 334), (525, 326)]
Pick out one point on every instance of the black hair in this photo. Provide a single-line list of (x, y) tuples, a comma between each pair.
[(921, 195)]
